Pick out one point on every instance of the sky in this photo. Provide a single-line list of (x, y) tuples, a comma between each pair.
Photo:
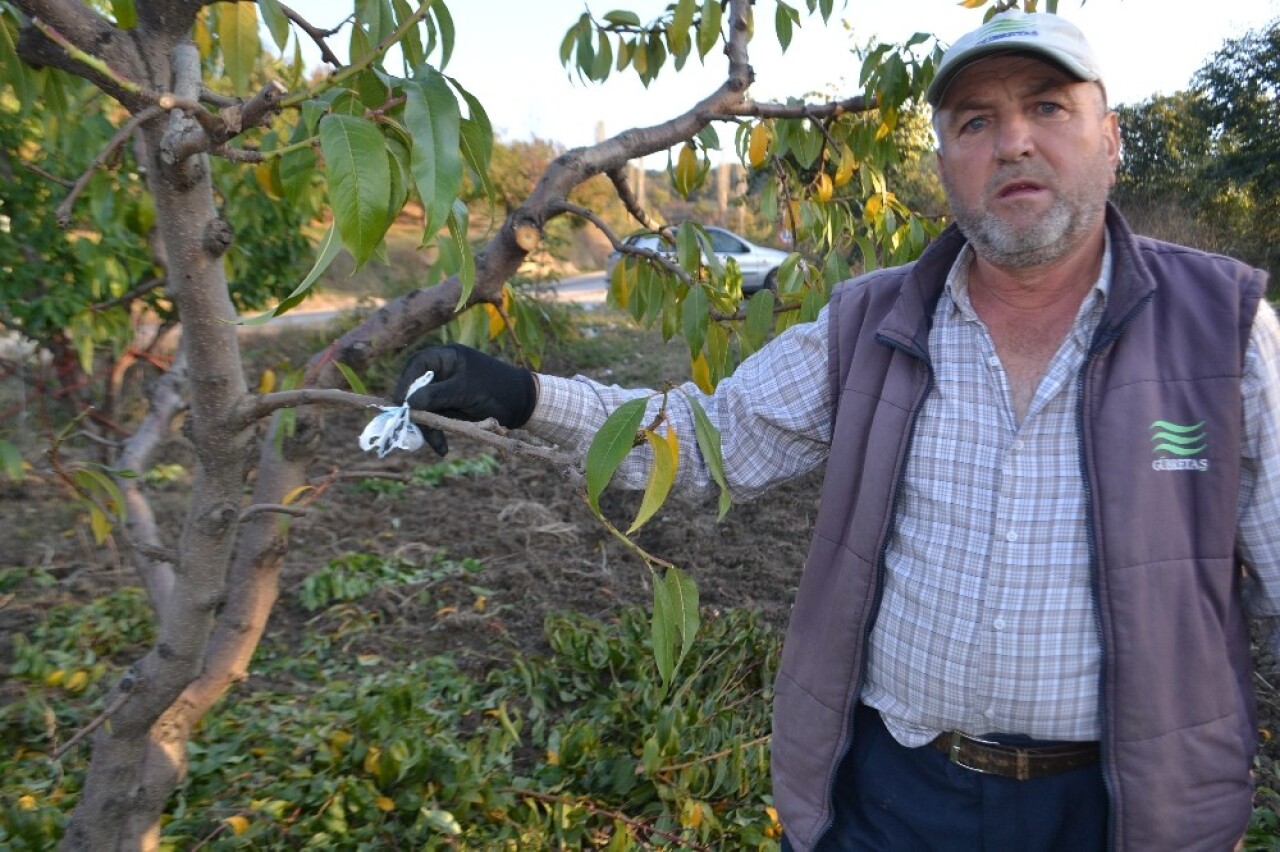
[(507, 54)]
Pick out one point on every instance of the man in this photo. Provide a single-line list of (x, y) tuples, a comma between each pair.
[(1050, 446)]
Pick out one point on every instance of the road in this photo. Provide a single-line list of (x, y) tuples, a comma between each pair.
[(587, 289)]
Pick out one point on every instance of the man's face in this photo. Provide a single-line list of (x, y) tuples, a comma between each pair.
[(1027, 156)]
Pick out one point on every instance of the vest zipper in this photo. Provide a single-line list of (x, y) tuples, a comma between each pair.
[(1095, 569), (923, 358)]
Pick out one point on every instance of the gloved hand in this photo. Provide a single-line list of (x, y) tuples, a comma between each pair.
[(469, 385)]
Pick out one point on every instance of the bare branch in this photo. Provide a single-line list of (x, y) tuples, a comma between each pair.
[(61, 181), (219, 100), (628, 198), (276, 508), (63, 213), (621, 247), (830, 109), (140, 290), (92, 726), (317, 35), (238, 155), (486, 432)]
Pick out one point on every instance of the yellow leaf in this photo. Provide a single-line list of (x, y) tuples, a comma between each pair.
[(78, 681), (267, 381), (846, 166), (447, 610), (481, 603), (758, 149), (872, 207), (883, 130), (27, 803), (385, 804), (822, 187), (55, 677), (972, 4), (239, 824), (202, 36), (686, 170), (371, 759), (339, 740), (701, 372), (262, 173), (259, 752), (553, 757), (100, 524), (666, 450), (293, 495), (496, 325)]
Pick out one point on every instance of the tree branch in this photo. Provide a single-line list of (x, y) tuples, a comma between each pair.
[(317, 35), (272, 508), (628, 198), (63, 212), (95, 63), (487, 432)]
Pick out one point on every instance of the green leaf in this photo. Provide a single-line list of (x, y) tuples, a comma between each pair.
[(276, 20), (328, 249), (782, 23), (447, 39), (352, 379), (12, 69), (11, 461), (459, 247), (238, 37), (610, 446), (687, 253), (759, 317), (623, 18), (359, 181), (681, 20), (411, 44), (695, 316), (431, 113), (708, 437), (441, 820), (666, 453), (675, 621), (125, 13), (708, 27)]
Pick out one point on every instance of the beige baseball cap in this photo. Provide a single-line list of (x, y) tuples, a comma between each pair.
[(1053, 37)]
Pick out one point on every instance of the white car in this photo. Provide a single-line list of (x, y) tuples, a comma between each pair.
[(759, 264)]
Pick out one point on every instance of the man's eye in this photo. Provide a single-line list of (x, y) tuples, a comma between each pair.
[(1048, 108), (975, 123)]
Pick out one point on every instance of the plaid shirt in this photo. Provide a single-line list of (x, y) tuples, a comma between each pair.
[(987, 620)]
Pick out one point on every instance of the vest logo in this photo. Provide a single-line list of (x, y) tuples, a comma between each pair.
[(1178, 447)]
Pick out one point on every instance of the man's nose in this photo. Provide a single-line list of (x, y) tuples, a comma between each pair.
[(1014, 138)]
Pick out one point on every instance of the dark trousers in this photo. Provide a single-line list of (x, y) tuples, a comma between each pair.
[(898, 799)]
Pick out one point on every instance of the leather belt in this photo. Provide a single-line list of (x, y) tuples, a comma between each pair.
[(1010, 761)]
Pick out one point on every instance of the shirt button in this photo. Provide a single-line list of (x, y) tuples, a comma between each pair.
[(1017, 445), (998, 624), (1011, 536), (994, 360), (989, 713)]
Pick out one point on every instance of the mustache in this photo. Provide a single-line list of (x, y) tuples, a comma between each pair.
[(1005, 175)]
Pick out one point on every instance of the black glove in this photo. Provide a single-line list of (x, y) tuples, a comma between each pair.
[(469, 385)]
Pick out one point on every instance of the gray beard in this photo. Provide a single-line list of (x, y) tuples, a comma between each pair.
[(1062, 227)]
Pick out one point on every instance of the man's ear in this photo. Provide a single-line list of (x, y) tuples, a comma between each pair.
[(1111, 139), (940, 163)]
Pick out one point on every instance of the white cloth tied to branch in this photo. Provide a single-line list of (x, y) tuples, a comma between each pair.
[(392, 429)]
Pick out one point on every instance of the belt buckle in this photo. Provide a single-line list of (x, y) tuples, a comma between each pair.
[(953, 754)]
